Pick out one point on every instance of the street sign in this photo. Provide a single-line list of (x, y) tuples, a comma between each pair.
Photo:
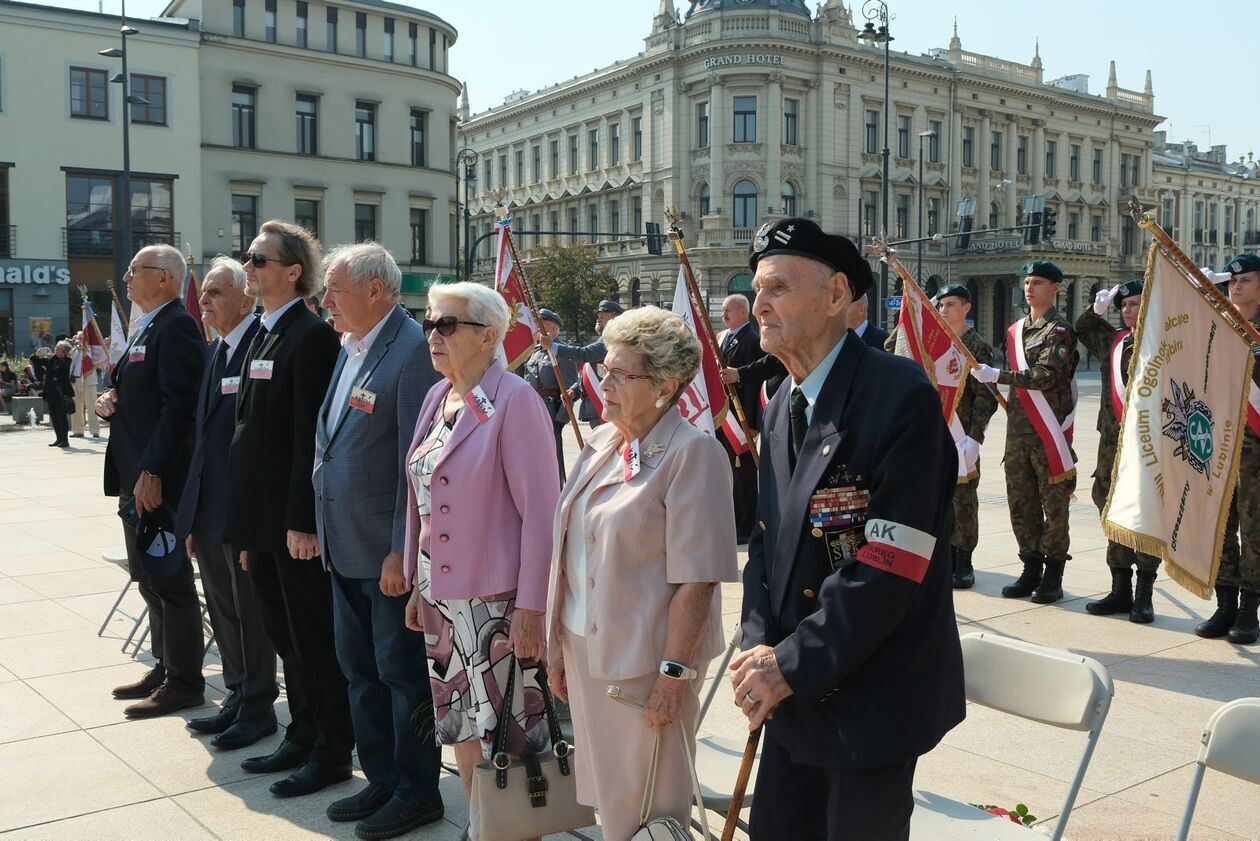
[(893, 302)]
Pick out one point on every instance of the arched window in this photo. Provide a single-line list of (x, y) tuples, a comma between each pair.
[(1001, 314), (974, 289), (745, 203), (994, 215), (741, 284), (789, 199), (636, 294), (704, 200)]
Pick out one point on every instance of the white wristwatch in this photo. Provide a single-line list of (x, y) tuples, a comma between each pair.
[(677, 671)]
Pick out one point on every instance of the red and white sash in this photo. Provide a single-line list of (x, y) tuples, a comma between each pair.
[(1253, 410), (590, 389), (1056, 438), (765, 394), (1117, 373)]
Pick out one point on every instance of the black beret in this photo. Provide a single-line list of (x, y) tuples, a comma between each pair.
[(804, 238), (1044, 269), (954, 290), (1244, 263), (549, 315), (610, 306), (1128, 289)]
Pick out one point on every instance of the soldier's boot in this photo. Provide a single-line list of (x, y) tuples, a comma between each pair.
[(1050, 589), (1143, 611), (1028, 580), (1219, 623), (1246, 628), (1119, 600), (964, 575)]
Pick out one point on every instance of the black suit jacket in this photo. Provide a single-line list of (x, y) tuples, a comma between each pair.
[(151, 428), (858, 607), (204, 502), (874, 336), (739, 350), (57, 379), (272, 455)]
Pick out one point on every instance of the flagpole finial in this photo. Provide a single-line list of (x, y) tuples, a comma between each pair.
[(500, 212), (1140, 214)]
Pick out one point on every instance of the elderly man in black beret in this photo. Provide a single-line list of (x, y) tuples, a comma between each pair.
[(848, 620), (541, 376)]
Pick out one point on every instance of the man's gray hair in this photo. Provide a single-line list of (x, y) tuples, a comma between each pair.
[(366, 260), (738, 300), (232, 267), (169, 258), (482, 304)]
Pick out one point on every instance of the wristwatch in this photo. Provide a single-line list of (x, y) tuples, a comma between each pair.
[(677, 671)]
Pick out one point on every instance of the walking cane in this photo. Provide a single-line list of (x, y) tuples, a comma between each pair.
[(741, 785)]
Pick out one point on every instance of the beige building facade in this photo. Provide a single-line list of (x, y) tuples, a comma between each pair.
[(742, 110)]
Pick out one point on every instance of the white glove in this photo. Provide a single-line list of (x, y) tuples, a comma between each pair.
[(1104, 298), (1213, 276), (971, 451), (986, 373)]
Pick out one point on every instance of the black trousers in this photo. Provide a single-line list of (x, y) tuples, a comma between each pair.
[(58, 418), (249, 660), (175, 635), (805, 803), (559, 430), (296, 604), (744, 480)]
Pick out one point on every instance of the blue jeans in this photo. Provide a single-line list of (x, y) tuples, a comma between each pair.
[(391, 702)]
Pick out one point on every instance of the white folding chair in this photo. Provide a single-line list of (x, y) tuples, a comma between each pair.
[(718, 757), (1231, 744), (1033, 682)]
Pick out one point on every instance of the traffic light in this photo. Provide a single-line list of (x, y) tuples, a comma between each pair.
[(1048, 220), (654, 238), (1032, 231)]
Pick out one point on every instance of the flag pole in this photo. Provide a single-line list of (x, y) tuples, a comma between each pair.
[(697, 303), (84, 307), (888, 254), (501, 212), (196, 284), (122, 316)]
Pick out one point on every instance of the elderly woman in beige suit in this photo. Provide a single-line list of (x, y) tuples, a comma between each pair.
[(644, 533)]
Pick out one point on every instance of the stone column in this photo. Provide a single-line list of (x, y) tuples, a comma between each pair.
[(954, 145), (984, 195), (647, 119), (1009, 160), (816, 193), (773, 139), (1037, 166), (717, 148)]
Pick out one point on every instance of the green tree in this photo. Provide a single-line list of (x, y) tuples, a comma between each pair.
[(569, 280)]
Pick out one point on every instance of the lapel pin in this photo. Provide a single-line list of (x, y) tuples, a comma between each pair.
[(827, 449), (654, 450)]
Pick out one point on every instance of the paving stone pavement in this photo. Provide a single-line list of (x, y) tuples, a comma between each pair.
[(72, 768)]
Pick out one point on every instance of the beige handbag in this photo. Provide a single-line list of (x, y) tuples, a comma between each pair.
[(515, 797), (665, 828)]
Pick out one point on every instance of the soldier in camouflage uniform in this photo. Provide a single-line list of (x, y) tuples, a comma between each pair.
[(541, 376), (1238, 579), (1038, 501), (1100, 337)]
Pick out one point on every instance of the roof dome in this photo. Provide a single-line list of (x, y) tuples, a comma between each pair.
[(699, 7)]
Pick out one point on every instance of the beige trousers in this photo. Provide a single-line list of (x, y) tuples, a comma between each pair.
[(85, 401)]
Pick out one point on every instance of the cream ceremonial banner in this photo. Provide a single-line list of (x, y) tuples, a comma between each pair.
[(1184, 411)]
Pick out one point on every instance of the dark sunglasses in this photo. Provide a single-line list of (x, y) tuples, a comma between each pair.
[(447, 324), (260, 260)]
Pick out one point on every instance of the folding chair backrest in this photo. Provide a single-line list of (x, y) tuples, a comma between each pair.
[(1035, 682), (719, 674), (1231, 742)]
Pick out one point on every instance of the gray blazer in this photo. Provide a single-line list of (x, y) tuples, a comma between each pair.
[(359, 478)]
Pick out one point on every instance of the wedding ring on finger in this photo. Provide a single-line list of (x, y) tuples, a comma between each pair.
[(749, 699)]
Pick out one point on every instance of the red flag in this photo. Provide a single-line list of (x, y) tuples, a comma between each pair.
[(192, 296), (703, 403), (518, 344), (92, 352)]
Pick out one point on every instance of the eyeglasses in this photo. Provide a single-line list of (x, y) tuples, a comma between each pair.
[(447, 324), (260, 260), (132, 269), (620, 377)]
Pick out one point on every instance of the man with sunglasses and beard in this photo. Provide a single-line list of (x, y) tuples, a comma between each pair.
[(271, 506)]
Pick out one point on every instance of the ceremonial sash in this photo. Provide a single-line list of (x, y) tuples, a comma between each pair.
[(1117, 373), (1253, 410), (1056, 438), (590, 389), (765, 394)]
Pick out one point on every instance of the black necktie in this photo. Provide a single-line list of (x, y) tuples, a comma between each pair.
[(255, 347), (798, 423), (220, 364)]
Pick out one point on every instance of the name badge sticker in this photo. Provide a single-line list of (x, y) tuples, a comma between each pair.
[(362, 399), (261, 369), (630, 458), (229, 385), (480, 404), (136, 354)]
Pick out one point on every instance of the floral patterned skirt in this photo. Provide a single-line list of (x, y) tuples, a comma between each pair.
[(466, 642)]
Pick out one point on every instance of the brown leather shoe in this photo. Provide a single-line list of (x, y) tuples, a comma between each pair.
[(165, 701), (142, 688)]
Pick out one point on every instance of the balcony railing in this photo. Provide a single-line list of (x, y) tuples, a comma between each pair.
[(8, 240), (1251, 237), (101, 242)]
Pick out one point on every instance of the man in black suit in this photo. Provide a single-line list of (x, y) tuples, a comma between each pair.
[(740, 344), (151, 405), (872, 334), (57, 389), (249, 660), (271, 506), (848, 618)]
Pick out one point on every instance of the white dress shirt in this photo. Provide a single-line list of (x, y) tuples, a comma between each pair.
[(142, 323), (812, 385), (861, 328), (356, 352), (269, 321), (236, 338)]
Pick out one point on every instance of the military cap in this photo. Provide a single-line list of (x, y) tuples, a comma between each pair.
[(1244, 263), (1128, 289), (804, 238), (954, 290), (610, 306), (1044, 269), (550, 315)]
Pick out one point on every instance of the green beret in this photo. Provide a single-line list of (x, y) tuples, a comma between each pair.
[(804, 238), (1044, 269), (1128, 289), (1243, 263), (954, 290)]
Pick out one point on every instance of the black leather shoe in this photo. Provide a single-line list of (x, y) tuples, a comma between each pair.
[(216, 723), (311, 778), (397, 818), (288, 755), (142, 688), (165, 700), (242, 734), (356, 807)]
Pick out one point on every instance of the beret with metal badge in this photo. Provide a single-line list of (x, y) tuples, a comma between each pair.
[(803, 238)]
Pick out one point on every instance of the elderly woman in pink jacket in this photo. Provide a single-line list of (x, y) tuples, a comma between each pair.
[(483, 483)]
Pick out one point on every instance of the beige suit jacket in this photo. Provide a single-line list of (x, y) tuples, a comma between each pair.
[(672, 524)]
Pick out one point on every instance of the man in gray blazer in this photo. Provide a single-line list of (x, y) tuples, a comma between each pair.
[(363, 430)]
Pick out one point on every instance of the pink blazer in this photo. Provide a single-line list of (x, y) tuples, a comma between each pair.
[(494, 491)]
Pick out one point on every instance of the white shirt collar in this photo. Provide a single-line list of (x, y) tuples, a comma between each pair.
[(812, 385), (145, 320), (269, 321), (861, 328), (354, 346), (237, 337)]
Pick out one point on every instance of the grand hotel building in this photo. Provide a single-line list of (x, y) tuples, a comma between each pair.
[(741, 110)]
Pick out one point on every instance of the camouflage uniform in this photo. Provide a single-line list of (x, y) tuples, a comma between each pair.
[(974, 410), (1097, 335), (1039, 509), (1242, 569)]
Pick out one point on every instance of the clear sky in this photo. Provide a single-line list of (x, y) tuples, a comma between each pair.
[(1199, 75)]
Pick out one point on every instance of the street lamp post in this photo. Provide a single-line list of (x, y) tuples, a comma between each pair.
[(874, 10), (466, 160), (918, 272)]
